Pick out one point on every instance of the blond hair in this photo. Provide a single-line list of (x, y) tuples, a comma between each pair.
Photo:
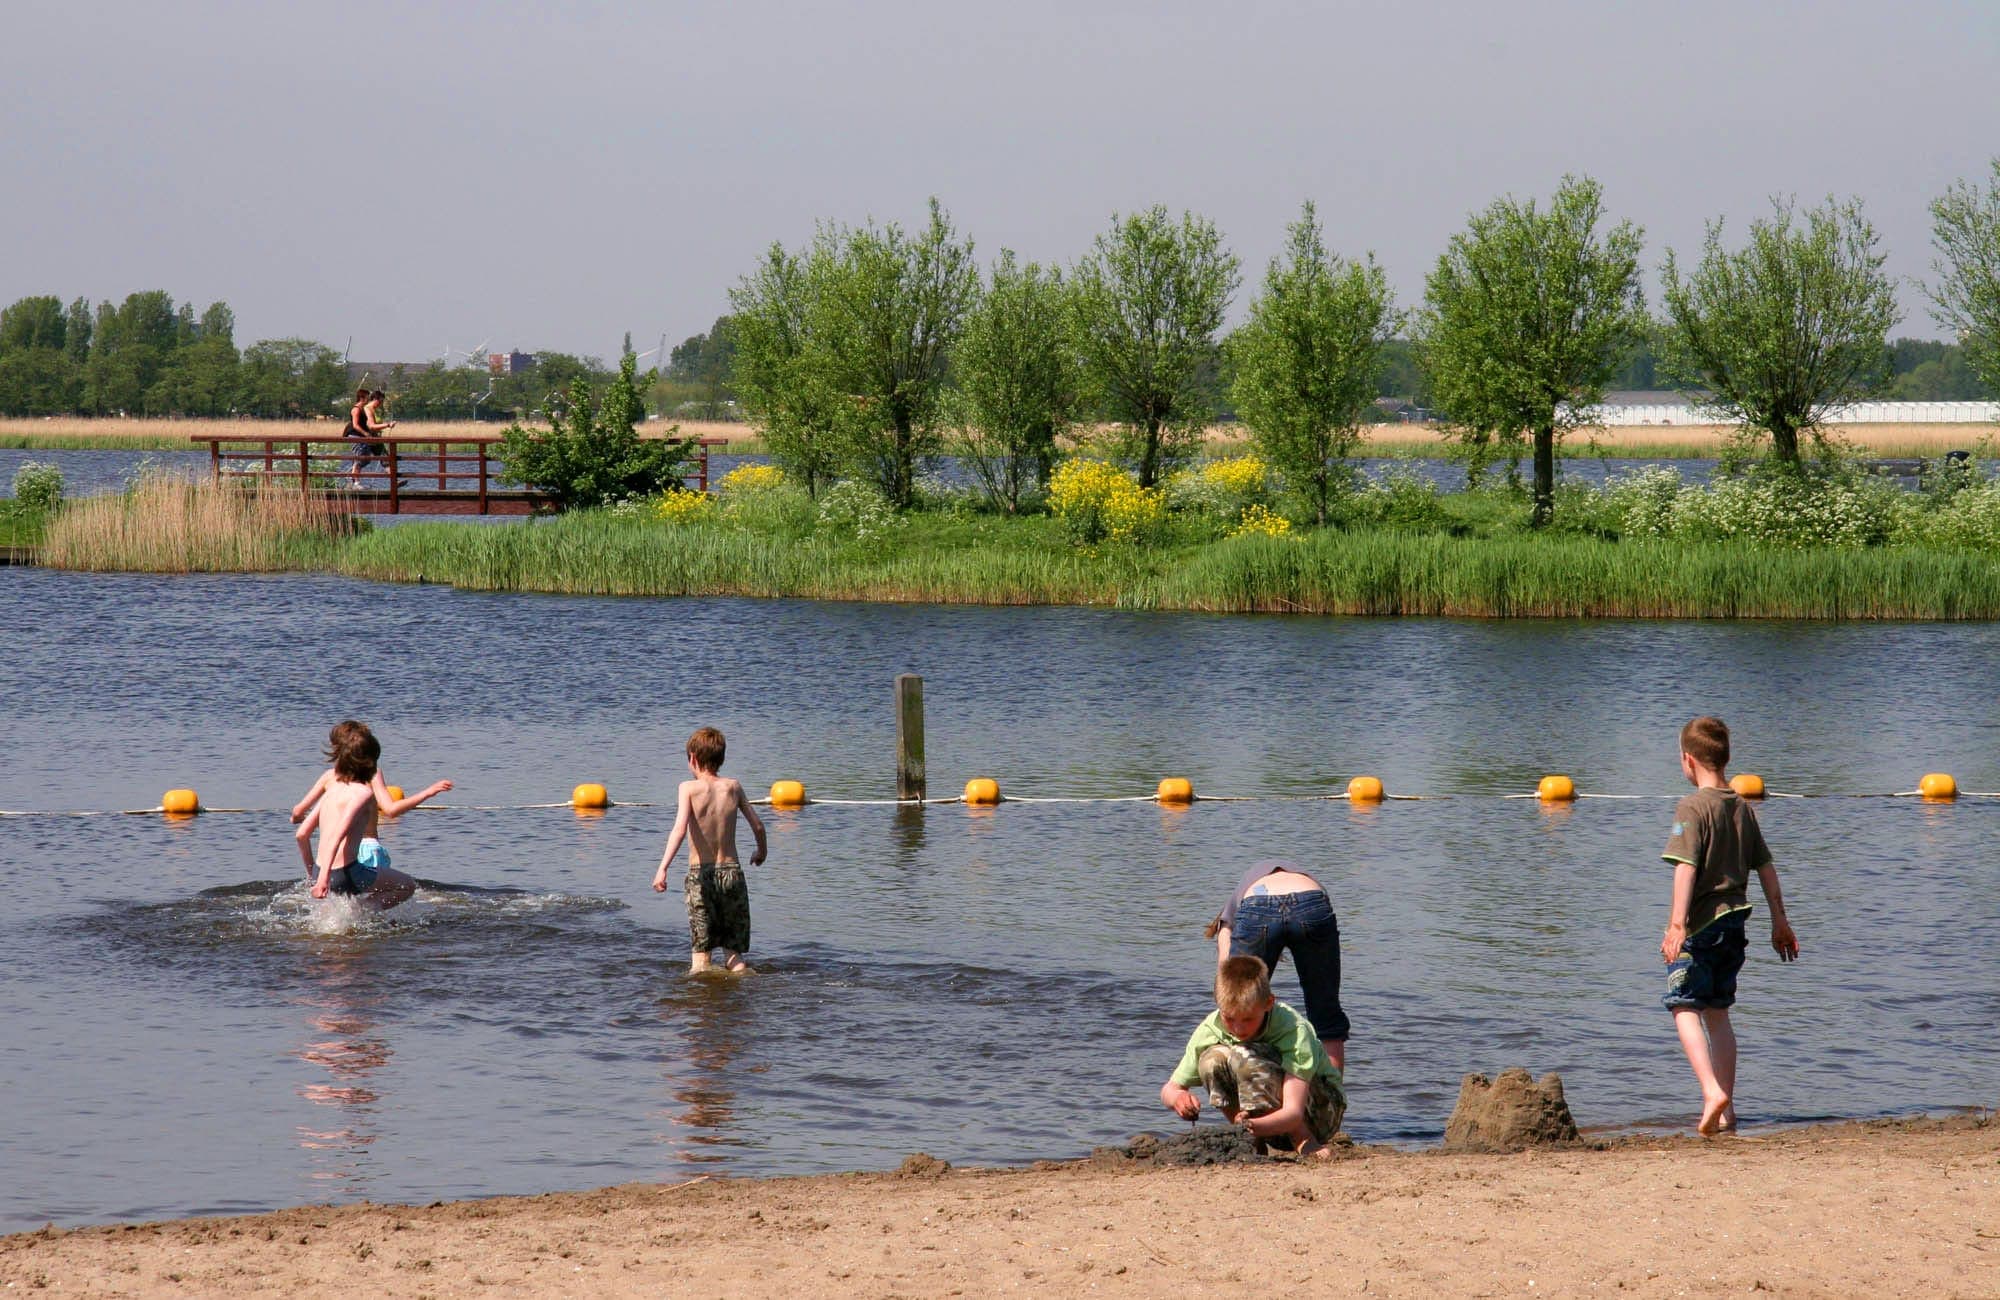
[(1242, 985)]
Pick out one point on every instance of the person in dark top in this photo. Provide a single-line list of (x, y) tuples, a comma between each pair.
[(1278, 908), (1715, 846), (363, 420)]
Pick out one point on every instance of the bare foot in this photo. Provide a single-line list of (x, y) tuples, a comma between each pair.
[(1319, 1152), (1712, 1112), (739, 967)]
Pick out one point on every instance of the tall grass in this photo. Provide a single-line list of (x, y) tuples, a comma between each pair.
[(169, 524), (1379, 573)]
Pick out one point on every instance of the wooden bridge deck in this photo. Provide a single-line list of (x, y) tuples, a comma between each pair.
[(416, 474)]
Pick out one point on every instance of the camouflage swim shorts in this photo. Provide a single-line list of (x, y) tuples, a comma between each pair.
[(1248, 1076), (718, 903)]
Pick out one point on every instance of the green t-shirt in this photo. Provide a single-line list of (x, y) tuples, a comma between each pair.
[(1290, 1033), (1716, 833)]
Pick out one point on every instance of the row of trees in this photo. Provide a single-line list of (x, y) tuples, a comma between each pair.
[(873, 347), (148, 356)]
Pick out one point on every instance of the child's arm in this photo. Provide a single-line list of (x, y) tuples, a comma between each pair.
[(1179, 1100), (1782, 938), (1291, 1111), (395, 807), (1677, 912), (1222, 945), (312, 797), (756, 825), (674, 843), (304, 836)]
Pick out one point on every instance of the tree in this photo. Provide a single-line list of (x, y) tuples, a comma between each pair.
[(77, 330), (775, 365), (129, 346), (1772, 335), (32, 323), (591, 454), (1965, 230), (1150, 296), (292, 378), (885, 314), (39, 381), (702, 362), (1019, 383), (1307, 359), (1527, 316)]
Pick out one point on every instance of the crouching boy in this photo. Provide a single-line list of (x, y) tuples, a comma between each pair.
[(1262, 1064)]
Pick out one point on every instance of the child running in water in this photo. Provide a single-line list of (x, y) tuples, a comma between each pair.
[(1715, 847), (718, 899), (346, 821)]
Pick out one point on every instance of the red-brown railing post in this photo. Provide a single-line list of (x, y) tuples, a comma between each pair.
[(441, 447), (704, 467), (215, 459), (395, 507), (305, 462), (269, 449), (482, 478)]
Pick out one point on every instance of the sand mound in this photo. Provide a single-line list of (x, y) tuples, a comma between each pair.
[(922, 1164), (1508, 1113)]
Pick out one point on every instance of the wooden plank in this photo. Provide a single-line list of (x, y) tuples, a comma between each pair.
[(909, 736)]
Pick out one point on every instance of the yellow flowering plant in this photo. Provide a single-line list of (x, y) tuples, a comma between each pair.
[(685, 507), (1261, 521), (1098, 502), (751, 478)]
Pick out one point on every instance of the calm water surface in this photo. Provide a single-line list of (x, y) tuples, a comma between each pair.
[(183, 1031)]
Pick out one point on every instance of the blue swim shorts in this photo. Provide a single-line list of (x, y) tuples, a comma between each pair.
[(1704, 975), (372, 854)]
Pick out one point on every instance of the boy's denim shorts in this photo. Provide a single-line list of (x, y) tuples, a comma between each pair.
[(1703, 977)]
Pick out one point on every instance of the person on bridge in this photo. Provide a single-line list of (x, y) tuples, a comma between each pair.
[(363, 420)]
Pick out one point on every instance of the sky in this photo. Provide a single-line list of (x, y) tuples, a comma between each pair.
[(405, 178)]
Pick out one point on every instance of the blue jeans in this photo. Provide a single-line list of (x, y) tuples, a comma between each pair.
[(1267, 925)]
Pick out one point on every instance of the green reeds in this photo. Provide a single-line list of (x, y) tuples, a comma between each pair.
[(1373, 573), (169, 524)]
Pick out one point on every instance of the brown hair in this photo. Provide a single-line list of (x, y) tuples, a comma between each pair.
[(354, 751), (706, 747), (360, 396), (1706, 741), (1242, 985)]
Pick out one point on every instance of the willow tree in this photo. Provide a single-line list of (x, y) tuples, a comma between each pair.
[(1019, 384), (1775, 334), (888, 306), (1150, 296), (1965, 231), (777, 372), (1526, 319), (1307, 359)]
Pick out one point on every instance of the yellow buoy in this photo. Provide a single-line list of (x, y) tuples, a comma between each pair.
[(1365, 789), (1747, 784), (589, 795), (1175, 789), (788, 794), (1938, 787), (395, 794), (982, 790), (181, 803), (1556, 789)]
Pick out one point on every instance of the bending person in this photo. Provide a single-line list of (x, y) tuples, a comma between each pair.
[(1278, 908)]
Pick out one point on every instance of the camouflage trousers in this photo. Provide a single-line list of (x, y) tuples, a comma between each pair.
[(718, 903), (1249, 1077)]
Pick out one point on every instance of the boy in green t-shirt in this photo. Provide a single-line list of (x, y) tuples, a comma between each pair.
[(1262, 1064), (1715, 845)]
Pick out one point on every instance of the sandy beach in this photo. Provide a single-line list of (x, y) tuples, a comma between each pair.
[(1887, 1208)]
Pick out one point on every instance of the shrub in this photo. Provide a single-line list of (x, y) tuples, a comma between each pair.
[(855, 510), (592, 454), (1782, 506), (751, 478), (684, 507), (1969, 519), (1098, 502), (1402, 500), (1647, 502), (38, 485), (1261, 521), (1223, 489)]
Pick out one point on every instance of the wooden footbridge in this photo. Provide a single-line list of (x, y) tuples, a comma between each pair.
[(413, 474)]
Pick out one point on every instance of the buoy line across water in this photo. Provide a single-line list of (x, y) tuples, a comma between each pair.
[(985, 793)]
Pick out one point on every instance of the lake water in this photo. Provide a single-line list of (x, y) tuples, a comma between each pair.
[(185, 1032)]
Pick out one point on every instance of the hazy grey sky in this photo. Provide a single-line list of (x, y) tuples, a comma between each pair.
[(552, 175)]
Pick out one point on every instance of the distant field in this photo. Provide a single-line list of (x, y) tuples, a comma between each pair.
[(1683, 441)]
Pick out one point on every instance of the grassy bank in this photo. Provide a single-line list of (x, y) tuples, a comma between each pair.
[(1382, 573), (20, 525)]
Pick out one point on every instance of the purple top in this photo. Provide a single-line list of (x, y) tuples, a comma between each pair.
[(1251, 877)]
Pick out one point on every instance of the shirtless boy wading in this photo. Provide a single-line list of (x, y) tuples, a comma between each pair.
[(718, 899)]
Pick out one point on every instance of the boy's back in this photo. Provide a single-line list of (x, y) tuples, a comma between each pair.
[(711, 801), (1716, 832)]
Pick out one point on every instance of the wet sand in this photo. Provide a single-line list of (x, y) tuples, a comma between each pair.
[(1891, 1208)]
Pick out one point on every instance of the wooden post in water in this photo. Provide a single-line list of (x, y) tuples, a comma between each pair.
[(909, 736)]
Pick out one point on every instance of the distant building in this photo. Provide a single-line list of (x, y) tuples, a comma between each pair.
[(509, 363)]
